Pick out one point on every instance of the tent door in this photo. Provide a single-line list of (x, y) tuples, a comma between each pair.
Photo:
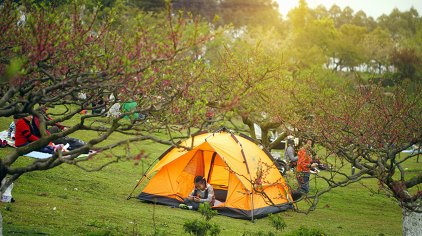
[(193, 168)]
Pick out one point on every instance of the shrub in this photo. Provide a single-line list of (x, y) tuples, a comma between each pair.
[(206, 211), (303, 231), (277, 222), (196, 227), (203, 227)]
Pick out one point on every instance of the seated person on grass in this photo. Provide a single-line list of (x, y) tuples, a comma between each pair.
[(203, 192), (24, 133), (55, 128), (12, 128)]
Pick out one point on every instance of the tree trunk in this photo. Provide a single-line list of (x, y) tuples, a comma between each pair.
[(264, 137), (412, 223), (1, 224)]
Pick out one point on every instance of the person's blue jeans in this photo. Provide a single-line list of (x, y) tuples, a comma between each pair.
[(303, 179), (195, 205), (47, 149)]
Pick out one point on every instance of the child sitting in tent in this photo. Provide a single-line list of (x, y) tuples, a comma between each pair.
[(203, 192)]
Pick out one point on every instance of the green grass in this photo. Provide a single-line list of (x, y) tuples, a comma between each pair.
[(69, 201)]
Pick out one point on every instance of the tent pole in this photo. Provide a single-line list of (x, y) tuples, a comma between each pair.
[(247, 168), (211, 166), (253, 208), (137, 184), (142, 179)]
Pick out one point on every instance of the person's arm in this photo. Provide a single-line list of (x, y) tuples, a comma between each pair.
[(191, 195), (60, 126)]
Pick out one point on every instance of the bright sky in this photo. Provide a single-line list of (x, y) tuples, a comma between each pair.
[(374, 8)]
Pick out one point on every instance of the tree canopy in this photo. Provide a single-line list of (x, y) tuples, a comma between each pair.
[(67, 57)]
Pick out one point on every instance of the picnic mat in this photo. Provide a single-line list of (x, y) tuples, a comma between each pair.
[(34, 154)]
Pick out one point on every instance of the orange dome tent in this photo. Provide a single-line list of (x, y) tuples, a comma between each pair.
[(246, 181)]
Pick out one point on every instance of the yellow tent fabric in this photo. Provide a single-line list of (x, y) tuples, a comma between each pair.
[(246, 181)]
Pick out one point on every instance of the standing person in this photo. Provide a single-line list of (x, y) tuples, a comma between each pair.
[(114, 110), (304, 165), (203, 192), (24, 134), (289, 154)]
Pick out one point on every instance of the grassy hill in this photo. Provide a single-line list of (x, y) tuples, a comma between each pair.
[(70, 201)]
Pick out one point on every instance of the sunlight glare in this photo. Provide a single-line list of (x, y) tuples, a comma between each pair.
[(284, 6)]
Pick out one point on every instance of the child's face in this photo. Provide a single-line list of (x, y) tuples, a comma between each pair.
[(200, 185), (309, 143)]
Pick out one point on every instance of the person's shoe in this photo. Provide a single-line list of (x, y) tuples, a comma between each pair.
[(3, 143), (184, 206), (296, 195)]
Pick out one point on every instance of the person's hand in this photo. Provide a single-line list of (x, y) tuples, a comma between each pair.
[(313, 165), (190, 198), (196, 199)]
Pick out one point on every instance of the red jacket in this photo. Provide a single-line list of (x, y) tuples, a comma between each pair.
[(303, 161), (24, 133)]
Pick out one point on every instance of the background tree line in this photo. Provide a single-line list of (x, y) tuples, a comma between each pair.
[(342, 39)]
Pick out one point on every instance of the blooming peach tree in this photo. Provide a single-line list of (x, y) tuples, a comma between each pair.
[(75, 56), (364, 133)]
